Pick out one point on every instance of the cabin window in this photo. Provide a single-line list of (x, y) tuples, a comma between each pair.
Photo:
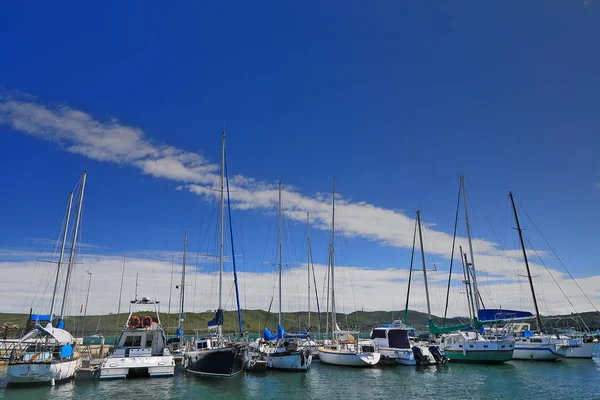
[(378, 334), (149, 341), (470, 345), (503, 346), (460, 345), (133, 341), (202, 345), (536, 340), (485, 346), (398, 339)]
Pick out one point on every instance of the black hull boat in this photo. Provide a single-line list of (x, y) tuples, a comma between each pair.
[(223, 361)]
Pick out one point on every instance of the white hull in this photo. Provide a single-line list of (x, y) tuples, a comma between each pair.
[(585, 351), (544, 352), (42, 371), (296, 361), (397, 356), (348, 359), (118, 368)]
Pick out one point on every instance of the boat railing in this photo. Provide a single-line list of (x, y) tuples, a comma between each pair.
[(12, 350)]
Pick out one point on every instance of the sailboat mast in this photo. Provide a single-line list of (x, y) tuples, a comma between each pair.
[(475, 287), (423, 262), (180, 324), (537, 311), (412, 257), (279, 252), (72, 254), (333, 317), (171, 286), (219, 327), (308, 262), (62, 252), (121, 290), (467, 282)]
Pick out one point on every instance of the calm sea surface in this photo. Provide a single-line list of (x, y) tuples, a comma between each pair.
[(567, 379)]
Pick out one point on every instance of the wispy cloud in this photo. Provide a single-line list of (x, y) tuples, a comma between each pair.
[(111, 141)]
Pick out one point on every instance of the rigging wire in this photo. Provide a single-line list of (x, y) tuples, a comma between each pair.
[(557, 257)]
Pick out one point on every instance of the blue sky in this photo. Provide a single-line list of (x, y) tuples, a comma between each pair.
[(394, 100)]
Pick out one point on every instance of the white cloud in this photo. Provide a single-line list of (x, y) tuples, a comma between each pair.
[(356, 287), (112, 141)]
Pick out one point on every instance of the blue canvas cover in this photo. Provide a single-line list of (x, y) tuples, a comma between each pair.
[(178, 332), (217, 320), (40, 318), (66, 351), (267, 335), (280, 331), (495, 314)]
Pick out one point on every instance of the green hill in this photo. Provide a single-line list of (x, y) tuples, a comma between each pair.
[(254, 321)]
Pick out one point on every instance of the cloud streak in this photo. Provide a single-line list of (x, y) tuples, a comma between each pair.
[(110, 141)]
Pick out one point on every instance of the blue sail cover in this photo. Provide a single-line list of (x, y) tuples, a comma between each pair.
[(494, 314), (178, 332), (217, 320), (268, 335), (280, 332)]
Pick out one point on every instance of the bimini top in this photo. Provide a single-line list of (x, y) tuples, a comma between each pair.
[(60, 335)]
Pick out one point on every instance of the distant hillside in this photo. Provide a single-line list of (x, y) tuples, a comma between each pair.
[(254, 321)]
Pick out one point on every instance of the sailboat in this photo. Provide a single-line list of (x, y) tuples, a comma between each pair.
[(50, 355), (214, 354), (463, 342), (345, 348), (282, 350), (531, 345), (310, 344), (177, 345)]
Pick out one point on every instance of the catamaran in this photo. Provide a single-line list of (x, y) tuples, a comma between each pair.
[(345, 348), (141, 349), (50, 354), (214, 354), (283, 350)]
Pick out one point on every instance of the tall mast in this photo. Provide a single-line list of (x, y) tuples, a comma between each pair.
[(537, 311), (412, 257), (308, 262), (423, 262), (467, 282), (475, 287), (72, 254), (180, 324), (171, 286), (62, 252), (279, 251), (333, 318), (219, 327), (121, 290)]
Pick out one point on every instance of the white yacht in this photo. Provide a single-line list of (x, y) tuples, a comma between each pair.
[(395, 346), (141, 349), (534, 346), (286, 353)]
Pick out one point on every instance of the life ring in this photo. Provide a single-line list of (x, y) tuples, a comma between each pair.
[(134, 322), (146, 321)]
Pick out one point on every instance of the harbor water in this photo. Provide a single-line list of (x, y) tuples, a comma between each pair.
[(569, 378)]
